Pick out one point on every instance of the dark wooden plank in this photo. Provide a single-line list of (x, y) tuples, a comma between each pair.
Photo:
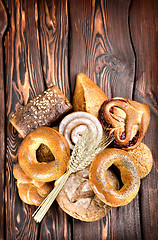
[(3, 25), (144, 25), (23, 81), (100, 46), (53, 25), (53, 19)]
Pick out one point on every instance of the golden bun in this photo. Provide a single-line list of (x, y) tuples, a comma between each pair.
[(30, 191), (143, 159), (88, 97)]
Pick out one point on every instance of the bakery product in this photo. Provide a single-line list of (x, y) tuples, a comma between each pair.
[(75, 124), (127, 120), (43, 110), (44, 171), (30, 191), (143, 159), (129, 176), (79, 201), (88, 97)]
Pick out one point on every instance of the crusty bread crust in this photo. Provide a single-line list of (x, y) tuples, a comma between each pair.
[(79, 201), (143, 159), (88, 97)]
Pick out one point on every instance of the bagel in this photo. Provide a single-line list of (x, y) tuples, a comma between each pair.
[(44, 171), (129, 176), (143, 159), (128, 120), (78, 199), (30, 191)]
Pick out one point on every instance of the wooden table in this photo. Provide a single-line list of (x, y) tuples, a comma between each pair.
[(114, 42)]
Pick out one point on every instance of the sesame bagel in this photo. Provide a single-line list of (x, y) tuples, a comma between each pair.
[(44, 171), (129, 176)]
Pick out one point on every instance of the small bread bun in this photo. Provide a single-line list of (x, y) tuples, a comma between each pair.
[(88, 97), (129, 176), (143, 159), (79, 201), (43, 110), (30, 191)]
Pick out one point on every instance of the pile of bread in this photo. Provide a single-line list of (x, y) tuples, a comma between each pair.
[(50, 133)]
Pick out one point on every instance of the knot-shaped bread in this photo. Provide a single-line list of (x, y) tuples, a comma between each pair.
[(30, 191), (75, 124), (126, 119)]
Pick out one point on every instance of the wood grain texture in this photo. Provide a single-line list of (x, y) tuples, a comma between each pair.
[(100, 44), (144, 25), (53, 25), (50, 42), (53, 32), (3, 25), (23, 81)]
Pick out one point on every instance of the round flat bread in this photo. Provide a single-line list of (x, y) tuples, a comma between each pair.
[(78, 199)]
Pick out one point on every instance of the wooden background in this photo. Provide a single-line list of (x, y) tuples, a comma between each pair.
[(114, 42)]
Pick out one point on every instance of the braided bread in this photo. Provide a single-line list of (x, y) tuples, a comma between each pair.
[(30, 191)]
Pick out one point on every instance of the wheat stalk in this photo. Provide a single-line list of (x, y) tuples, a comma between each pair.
[(83, 153)]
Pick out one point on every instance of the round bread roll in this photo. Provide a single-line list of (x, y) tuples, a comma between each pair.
[(79, 201), (143, 159)]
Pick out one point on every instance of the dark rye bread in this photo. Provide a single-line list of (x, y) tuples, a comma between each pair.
[(43, 110)]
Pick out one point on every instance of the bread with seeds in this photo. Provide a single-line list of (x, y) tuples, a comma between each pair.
[(43, 110)]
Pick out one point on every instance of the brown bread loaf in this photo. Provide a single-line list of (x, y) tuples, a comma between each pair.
[(43, 110)]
